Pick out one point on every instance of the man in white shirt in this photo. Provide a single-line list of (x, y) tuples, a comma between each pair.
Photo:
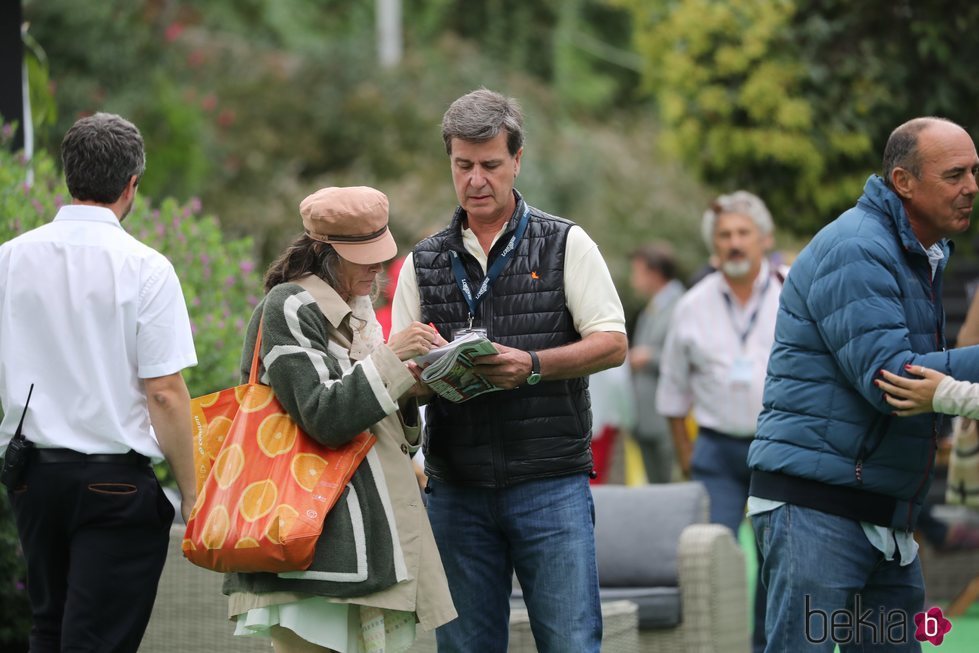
[(715, 358), (95, 324)]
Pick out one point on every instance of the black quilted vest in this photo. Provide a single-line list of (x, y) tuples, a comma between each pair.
[(505, 437)]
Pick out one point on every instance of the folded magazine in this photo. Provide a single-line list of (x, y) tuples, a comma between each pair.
[(450, 373)]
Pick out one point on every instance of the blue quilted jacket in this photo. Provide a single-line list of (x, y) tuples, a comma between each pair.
[(858, 299)]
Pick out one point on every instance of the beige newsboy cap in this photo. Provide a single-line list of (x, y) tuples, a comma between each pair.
[(353, 219)]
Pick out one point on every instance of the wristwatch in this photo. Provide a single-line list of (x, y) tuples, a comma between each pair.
[(534, 377)]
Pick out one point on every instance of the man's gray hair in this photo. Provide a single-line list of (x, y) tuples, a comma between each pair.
[(741, 202), (479, 116), (901, 150), (100, 154)]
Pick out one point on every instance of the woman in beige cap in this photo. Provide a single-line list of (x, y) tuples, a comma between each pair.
[(376, 571)]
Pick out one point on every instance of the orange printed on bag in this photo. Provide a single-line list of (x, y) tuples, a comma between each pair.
[(264, 487)]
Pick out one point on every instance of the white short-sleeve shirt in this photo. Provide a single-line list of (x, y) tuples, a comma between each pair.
[(589, 290), (86, 313), (716, 354)]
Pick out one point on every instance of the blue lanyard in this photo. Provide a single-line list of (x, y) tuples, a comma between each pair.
[(754, 315), (494, 271)]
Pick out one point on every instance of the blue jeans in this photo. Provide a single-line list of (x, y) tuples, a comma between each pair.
[(828, 585), (544, 530)]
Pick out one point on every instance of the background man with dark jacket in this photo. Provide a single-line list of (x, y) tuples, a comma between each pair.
[(653, 277), (837, 481), (508, 470)]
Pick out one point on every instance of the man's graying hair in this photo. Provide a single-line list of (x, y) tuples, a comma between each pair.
[(100, 154), (901, 150), (741, 202), (479, 116)]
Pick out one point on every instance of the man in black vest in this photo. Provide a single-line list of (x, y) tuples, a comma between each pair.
[(508, 471)]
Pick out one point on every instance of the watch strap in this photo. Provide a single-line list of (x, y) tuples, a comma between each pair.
[(534, 362)]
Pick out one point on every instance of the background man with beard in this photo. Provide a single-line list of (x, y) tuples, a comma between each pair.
[(715, 358)]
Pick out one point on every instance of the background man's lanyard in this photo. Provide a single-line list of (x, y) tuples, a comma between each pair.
[(751, 319), (494, 271)]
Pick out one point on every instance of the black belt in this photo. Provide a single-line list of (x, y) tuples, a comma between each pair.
[(71, 456)]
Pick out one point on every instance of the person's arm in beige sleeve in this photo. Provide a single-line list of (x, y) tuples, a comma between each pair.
[(933, 392), (169, 406), (969, 332)]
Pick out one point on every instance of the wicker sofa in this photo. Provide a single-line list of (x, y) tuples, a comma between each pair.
[(687, 577)]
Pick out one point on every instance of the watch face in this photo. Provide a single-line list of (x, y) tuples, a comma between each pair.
[(533, 379)]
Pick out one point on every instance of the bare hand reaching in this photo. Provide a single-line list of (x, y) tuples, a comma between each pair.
[(416, 339), (910, 396)]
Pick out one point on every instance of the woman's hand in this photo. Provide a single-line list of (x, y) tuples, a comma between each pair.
[(910, 396), (419, 391), (416, 339)]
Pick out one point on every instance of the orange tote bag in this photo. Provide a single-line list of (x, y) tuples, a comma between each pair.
[(264, 487)]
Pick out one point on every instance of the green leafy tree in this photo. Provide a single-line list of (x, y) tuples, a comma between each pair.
[(794, 99), (251, 105)]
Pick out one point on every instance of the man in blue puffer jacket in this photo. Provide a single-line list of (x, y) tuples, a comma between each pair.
[(837, 481)]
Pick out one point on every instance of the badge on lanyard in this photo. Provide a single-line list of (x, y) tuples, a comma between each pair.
[(465, 331), (741, 371)]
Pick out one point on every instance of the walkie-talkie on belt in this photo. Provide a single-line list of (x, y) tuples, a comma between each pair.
[(18, 452)]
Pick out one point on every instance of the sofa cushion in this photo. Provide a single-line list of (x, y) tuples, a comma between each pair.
[(659, 607), (637, 531)]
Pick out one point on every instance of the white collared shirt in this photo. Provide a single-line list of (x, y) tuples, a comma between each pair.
[(589, 290), (86, 313), (707, 366)]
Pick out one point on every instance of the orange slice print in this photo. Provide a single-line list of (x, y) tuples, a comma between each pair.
[(208, 400), (246, 543), (281, 523), (201, 499), (228, 466), (276, 434), (217, 430), (257, 500), (307, 468), (216, 528), (253, 397), (187, 545)]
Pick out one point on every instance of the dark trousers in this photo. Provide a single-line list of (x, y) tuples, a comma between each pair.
[(95, 539)]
